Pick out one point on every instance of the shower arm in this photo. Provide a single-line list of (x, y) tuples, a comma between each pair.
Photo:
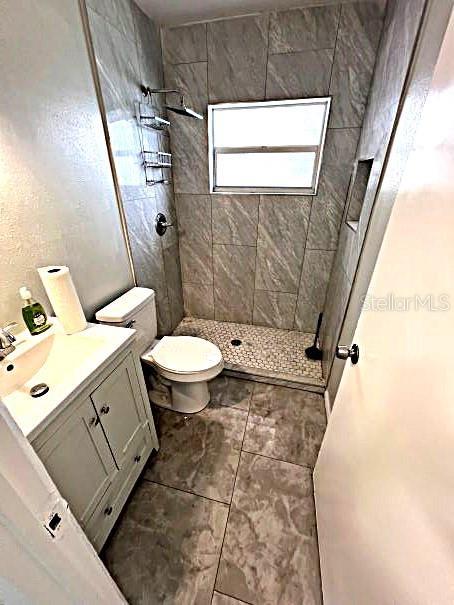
[(147, 92)]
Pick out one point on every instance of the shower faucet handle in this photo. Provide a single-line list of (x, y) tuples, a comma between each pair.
[(161, 224)]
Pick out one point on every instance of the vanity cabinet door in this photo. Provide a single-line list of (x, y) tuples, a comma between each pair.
[(78, 459), (118, 401)]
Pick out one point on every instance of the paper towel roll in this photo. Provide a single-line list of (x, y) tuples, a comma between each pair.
[(63, 297)]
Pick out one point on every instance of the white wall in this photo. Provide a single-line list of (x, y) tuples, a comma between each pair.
[(57, 201)]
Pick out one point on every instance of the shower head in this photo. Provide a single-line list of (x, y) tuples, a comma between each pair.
[(180, 109)]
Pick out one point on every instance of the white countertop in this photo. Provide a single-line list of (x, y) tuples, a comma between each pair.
[(65, 363)]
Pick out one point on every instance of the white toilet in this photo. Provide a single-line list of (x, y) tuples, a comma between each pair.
[(184, 364)]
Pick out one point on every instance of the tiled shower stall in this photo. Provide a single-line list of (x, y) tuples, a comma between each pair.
[(262, 260)]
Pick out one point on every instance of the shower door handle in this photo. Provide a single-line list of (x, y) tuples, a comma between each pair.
[(343, 352)]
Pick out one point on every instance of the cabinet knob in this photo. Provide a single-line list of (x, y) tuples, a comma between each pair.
[(137, 458), (108, 511), (105, 409), (94, 421)]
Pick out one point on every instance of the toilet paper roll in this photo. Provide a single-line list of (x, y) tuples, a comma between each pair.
[(63, 297)]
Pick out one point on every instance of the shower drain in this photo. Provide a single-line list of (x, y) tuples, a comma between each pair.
[(236, 342)]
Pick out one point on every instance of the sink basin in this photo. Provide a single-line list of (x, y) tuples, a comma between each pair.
[(64, 363)]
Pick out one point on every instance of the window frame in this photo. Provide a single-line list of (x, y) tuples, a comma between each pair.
[(247, 190)]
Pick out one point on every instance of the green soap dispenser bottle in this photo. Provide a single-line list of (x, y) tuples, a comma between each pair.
[(33, 313)]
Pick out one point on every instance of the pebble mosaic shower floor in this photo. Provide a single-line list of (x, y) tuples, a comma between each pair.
[(264, 352)]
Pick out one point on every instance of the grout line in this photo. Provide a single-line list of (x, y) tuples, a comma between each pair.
[(306, 466), (185, 491), (267, 54), (232, 597), (335, 48), (233, 492)]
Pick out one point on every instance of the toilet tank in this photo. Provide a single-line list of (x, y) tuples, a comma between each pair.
[(134, 309)]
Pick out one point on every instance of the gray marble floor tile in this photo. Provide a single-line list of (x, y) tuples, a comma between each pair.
[(172, 271), (234, 272), (118, 14), (222, 599), (185, 44), (237, 53), (285, 424), (199, 453), (303, 29), (198, 300), (312, 291), (283, 224), (274, 309), (231, 392), (359, 34), (270, 550), (235, 219), (165, 548), (303, 74)]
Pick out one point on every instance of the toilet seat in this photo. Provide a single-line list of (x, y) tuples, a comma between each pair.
[(185, 358)]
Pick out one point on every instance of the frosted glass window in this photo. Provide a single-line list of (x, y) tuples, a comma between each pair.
[(267, 147)]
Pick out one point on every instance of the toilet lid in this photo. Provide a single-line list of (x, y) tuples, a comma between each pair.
[(185, 354)]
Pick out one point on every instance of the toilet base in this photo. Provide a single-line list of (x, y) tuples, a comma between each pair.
[(183, 397), (189, 397)]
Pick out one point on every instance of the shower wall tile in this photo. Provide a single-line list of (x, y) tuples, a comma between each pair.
[(235, 219), (196, 261), (316, 50), (190, 156), (393, 57), (194, 217), (185, 44), (296, 75), (165, 203), (237, 54), (283, 224), (118, 14), (194, 224), (234, 268), (329, 203), (198, 301), (174, 287), (147, 255), (312, 292), (274, 309), (191, 78), (358, 38), (128, 53), (148, 49), (303, 29)]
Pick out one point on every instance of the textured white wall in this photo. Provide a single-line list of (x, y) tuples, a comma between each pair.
[(57, 200)]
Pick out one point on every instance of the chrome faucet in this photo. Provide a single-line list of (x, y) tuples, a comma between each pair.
[(6, 340)]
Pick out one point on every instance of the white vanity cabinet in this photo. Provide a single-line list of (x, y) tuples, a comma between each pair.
[(96, 448)]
